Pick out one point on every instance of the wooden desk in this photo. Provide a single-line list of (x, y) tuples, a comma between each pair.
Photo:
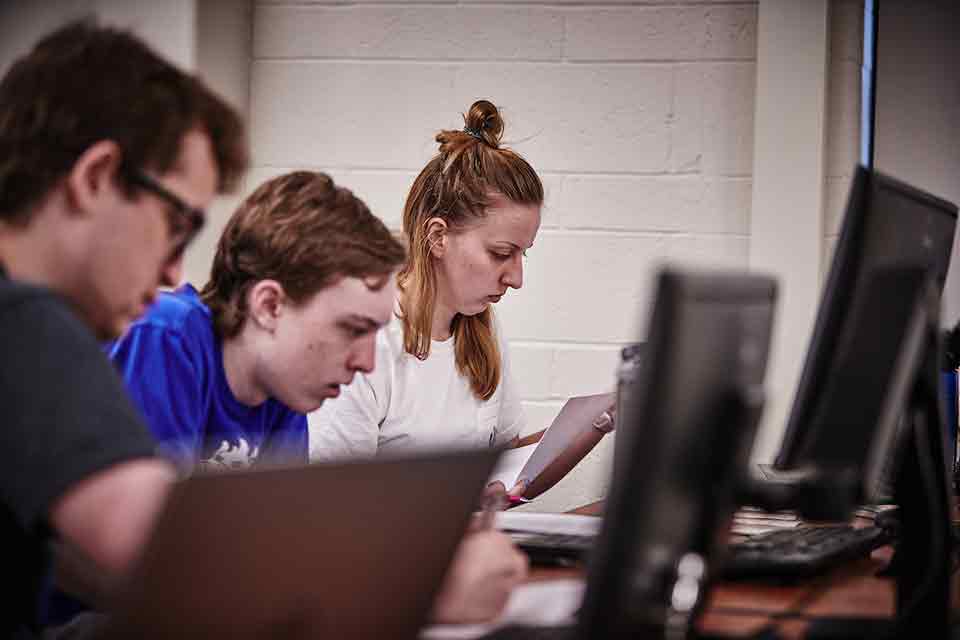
[(741, 608)]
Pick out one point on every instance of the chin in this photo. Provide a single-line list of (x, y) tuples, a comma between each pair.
[(477, 310), (308, 406)]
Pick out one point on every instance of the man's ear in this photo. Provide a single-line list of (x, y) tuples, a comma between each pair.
[(92, 180), (265, 302), (437, 236)]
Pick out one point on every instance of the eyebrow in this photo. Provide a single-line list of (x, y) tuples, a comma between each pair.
[(365, 320), (515, 246)]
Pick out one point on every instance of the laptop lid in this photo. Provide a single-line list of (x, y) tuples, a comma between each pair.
[(354, 550)]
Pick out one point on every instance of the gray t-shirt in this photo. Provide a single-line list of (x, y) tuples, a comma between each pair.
[(65, 416)]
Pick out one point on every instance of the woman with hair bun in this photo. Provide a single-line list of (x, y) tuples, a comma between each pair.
[(442, 377)]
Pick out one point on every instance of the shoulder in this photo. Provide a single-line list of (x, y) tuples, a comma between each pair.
[(36, 315), (390, 338), (56, 383), (390, 356), (176, 331), (14, 294), (180, 311), (177, 318)]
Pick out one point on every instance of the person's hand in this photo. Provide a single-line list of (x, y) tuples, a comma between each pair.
[(606, 421), (519, 488), (494, 497), (484, 571)]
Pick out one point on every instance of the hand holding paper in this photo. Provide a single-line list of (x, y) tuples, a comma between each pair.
[(521, 465)]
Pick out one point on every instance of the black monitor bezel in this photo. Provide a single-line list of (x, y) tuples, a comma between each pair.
[(611, 605), (833, 307)]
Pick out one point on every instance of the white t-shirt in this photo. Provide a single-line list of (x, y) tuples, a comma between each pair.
[(411, 405)]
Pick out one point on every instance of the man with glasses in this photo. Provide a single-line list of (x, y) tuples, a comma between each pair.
[(108, 155), (186, 222)]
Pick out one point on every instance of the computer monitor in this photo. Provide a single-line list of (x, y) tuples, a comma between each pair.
[(857, 349), (867, 421), (686, 425)]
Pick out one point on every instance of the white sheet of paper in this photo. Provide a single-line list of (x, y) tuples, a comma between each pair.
[(510, 464), (753, 528), (543, 603), (529, 461), (564, 523), (750, 513)]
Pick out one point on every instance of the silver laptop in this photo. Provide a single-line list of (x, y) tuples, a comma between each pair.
[(354, 550)]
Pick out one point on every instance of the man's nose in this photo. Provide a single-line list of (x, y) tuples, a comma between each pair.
[(364, 354)]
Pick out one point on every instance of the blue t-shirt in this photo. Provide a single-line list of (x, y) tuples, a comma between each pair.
[(172, 363)]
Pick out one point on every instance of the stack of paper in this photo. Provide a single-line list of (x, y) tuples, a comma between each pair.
[(749, 521)]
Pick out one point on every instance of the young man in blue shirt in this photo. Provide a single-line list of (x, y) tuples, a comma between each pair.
[(301, 281)]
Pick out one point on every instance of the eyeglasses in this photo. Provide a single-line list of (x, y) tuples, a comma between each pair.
[(185, 222)]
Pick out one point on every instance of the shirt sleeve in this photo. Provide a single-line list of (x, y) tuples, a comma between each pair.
[(347, 427), (65, 412), (164, 380), (512, 418)]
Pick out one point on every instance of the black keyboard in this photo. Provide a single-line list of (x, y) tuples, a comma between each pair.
[(785, 553), (800, 551), (552, 548)]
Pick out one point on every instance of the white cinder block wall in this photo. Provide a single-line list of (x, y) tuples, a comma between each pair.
[(843, 116), (638, 116)]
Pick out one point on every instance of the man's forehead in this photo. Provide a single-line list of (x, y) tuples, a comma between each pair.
[(364, 298), (195, 175)]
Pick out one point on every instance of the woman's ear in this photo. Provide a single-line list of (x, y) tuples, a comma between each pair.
[(265, 302), (437, 236)]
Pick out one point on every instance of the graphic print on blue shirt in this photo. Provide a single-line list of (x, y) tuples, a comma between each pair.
[(172, 363)]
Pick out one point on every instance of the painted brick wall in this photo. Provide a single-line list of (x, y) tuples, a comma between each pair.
[(843, 116), (638, 116)]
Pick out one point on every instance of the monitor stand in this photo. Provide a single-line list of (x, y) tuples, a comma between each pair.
[(921, 563)]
